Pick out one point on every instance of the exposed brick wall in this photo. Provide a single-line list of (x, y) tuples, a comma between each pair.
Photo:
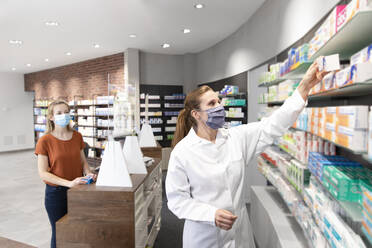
[(85, 79)]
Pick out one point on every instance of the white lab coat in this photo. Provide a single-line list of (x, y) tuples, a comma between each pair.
[(204, 176)]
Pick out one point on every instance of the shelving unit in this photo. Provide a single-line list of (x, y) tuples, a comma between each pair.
[(162, 95), (41, 104), (351, 38), (244, 108), (94, 144)]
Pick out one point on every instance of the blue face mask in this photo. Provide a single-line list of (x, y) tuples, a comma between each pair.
[(62, 120), (216, 117)]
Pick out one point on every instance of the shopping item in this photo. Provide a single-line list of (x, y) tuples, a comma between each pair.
[(329, 63), (113, 170)]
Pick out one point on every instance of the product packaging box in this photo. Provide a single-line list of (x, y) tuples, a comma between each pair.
[(362, 56), (329, 81), (342, 77), (359, 73), (329, 63), (354, 139), (355, 117)]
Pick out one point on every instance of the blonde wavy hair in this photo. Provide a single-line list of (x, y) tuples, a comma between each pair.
[(50, 124)]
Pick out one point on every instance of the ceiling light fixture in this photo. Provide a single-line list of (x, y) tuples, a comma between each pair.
[(28, 65), (132, 36), (46, 60), (96, 46), (199, 6), (68, 54), (51, 24), (186, 31), (165, 45), (15, 42), (13, 69)]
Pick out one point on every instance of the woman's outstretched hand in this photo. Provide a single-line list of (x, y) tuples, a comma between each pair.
[(312, 77)]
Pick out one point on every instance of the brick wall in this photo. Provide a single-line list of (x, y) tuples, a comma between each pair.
[(83, 80)]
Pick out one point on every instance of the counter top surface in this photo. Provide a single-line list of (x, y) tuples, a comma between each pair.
[(137, 180)]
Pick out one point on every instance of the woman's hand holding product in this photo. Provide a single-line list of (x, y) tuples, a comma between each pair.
[(224, 219), (312, 77), (76, 181)]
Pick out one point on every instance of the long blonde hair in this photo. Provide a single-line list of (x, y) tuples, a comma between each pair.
[(50, 124), (185, 121)]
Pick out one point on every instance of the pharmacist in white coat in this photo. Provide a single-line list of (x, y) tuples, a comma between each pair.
[(205, 180)]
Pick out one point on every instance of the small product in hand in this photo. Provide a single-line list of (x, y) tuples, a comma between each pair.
[(329, 63), (88, 179)]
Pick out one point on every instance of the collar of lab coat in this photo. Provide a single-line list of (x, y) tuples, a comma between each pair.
[(193, 138)]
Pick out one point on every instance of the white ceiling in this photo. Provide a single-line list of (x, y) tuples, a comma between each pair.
[(108, 23)]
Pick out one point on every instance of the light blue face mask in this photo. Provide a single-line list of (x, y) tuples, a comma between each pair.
[(62, 120)]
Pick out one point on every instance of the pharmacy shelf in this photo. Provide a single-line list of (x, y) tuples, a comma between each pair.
[(271, 83), (272, 103), (355, 89), (298, 72), (236, 106), (351, 38), (353, 209), (40, 106), (299, 195), (235, 95), (235, 117), (367, 158), (330, 141)]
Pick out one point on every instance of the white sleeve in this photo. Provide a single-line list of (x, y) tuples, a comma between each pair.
[(180, 201), (278, 123)]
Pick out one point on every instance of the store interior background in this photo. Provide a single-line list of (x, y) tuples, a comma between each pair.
[(273, 28)]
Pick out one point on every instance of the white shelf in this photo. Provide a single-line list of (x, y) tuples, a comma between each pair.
[(355, 89), (351, 38)]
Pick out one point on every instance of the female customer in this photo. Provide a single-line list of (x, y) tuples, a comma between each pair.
[(61, 161), (205, 180)]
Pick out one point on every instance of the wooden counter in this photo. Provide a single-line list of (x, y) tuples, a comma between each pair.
[(101, 216)]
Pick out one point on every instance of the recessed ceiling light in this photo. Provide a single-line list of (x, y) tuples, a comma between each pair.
[(13, 69), (132, 36), (68, 53), (186, 31), (15, 42), (199, 6), (28, 65), (96, 45), (51, 24), (46, 60), (165, 45)]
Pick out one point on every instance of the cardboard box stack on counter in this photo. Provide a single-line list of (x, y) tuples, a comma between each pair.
[(344, 125)]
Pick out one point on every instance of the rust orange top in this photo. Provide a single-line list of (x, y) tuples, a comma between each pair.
[(63, 155)]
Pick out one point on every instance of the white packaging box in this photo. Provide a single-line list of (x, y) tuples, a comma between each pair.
[(354, 139), (329, 63), (329, 81), (360, 73), (341, 77), (359, 57), (355, 117)]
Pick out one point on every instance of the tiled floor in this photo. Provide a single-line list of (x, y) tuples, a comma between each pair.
[(22, 213)]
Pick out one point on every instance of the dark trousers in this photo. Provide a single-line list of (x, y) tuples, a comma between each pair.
[(56, 207)]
